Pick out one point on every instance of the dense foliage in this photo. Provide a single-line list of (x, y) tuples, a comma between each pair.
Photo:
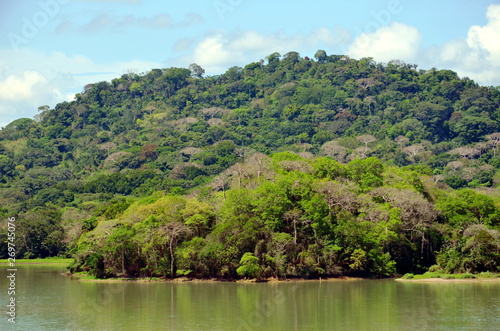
[(287, 167)]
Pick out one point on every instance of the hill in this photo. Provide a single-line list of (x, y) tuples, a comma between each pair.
[(287, 167)]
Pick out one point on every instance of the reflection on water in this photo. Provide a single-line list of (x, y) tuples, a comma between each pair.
[(49, 301)]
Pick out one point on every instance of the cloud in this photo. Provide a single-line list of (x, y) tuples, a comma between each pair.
[(21, 95), (487, 38), (396, 41), (220, 50), (56, 77), (108, 22), (19, 87), (476, 55)]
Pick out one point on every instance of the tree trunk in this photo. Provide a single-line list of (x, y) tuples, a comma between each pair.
[(172, 261)]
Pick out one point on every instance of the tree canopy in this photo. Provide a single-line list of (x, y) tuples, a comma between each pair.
[(287, 167)]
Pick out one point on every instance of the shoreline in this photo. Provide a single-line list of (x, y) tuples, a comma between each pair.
[(179, 280), (49, 261), (450, 280)]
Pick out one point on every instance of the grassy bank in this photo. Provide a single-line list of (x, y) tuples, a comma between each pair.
[(444, 276), (45, 261)]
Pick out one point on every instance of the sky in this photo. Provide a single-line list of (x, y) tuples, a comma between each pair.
[(50, 49)]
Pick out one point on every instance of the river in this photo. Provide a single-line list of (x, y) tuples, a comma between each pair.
[(46, 300)]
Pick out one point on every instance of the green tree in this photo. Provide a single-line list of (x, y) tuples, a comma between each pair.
[(249, 266)]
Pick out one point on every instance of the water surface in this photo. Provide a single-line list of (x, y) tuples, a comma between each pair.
[(46, 300)]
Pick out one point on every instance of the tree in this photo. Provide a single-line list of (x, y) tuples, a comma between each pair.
[(471, 128), (196, 70), (293, 217), (199, 217), (413, 151), (464, 151), (367, 172), (366, 139), (107, 147), (6, 168), (190, 152), (333, 149), (119, 250), (173, 232), (321, 56), (279, 245), (494, 139), (337, 196), (476, 252), (326, 168), (249, 266), (401, 141)]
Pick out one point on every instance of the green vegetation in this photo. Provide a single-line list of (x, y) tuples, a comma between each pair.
[(48, 260), (294, 167), (442, 275)]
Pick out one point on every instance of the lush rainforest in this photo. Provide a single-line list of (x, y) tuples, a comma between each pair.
[(288, 167)]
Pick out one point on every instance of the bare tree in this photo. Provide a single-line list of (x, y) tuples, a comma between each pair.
[(115, 156), (402, 141), (216, 121), (455, 165), (306, 155), (360, 152), (413, 150), (333, 149), (190, 151), (220, 183), (293, 217), (173, 232), (366, 139), (259, 162), (183, 123), (468, 173), (238, 171), (107, 147), (494, 139), (464, 151), (417, 214), (482, 147), (338, 196), (438, 178), (212, 112), (366, 83)]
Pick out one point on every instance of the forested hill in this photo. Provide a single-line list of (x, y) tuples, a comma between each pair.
[(290, 166)]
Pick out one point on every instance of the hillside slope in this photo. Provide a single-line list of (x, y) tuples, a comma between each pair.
[(77, 174)]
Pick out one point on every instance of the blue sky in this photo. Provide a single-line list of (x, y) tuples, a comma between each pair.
[(50, 49)]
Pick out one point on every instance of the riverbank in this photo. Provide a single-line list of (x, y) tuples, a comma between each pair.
[(87, 278), (45, 261), (441, 277)]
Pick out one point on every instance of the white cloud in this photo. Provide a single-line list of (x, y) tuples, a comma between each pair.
[(220, 50), (32, 79), (476, 55), (20, 87), (486, 38), (396, 41), (21, 95)]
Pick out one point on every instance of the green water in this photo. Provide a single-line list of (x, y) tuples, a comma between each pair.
[(48, 301)]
